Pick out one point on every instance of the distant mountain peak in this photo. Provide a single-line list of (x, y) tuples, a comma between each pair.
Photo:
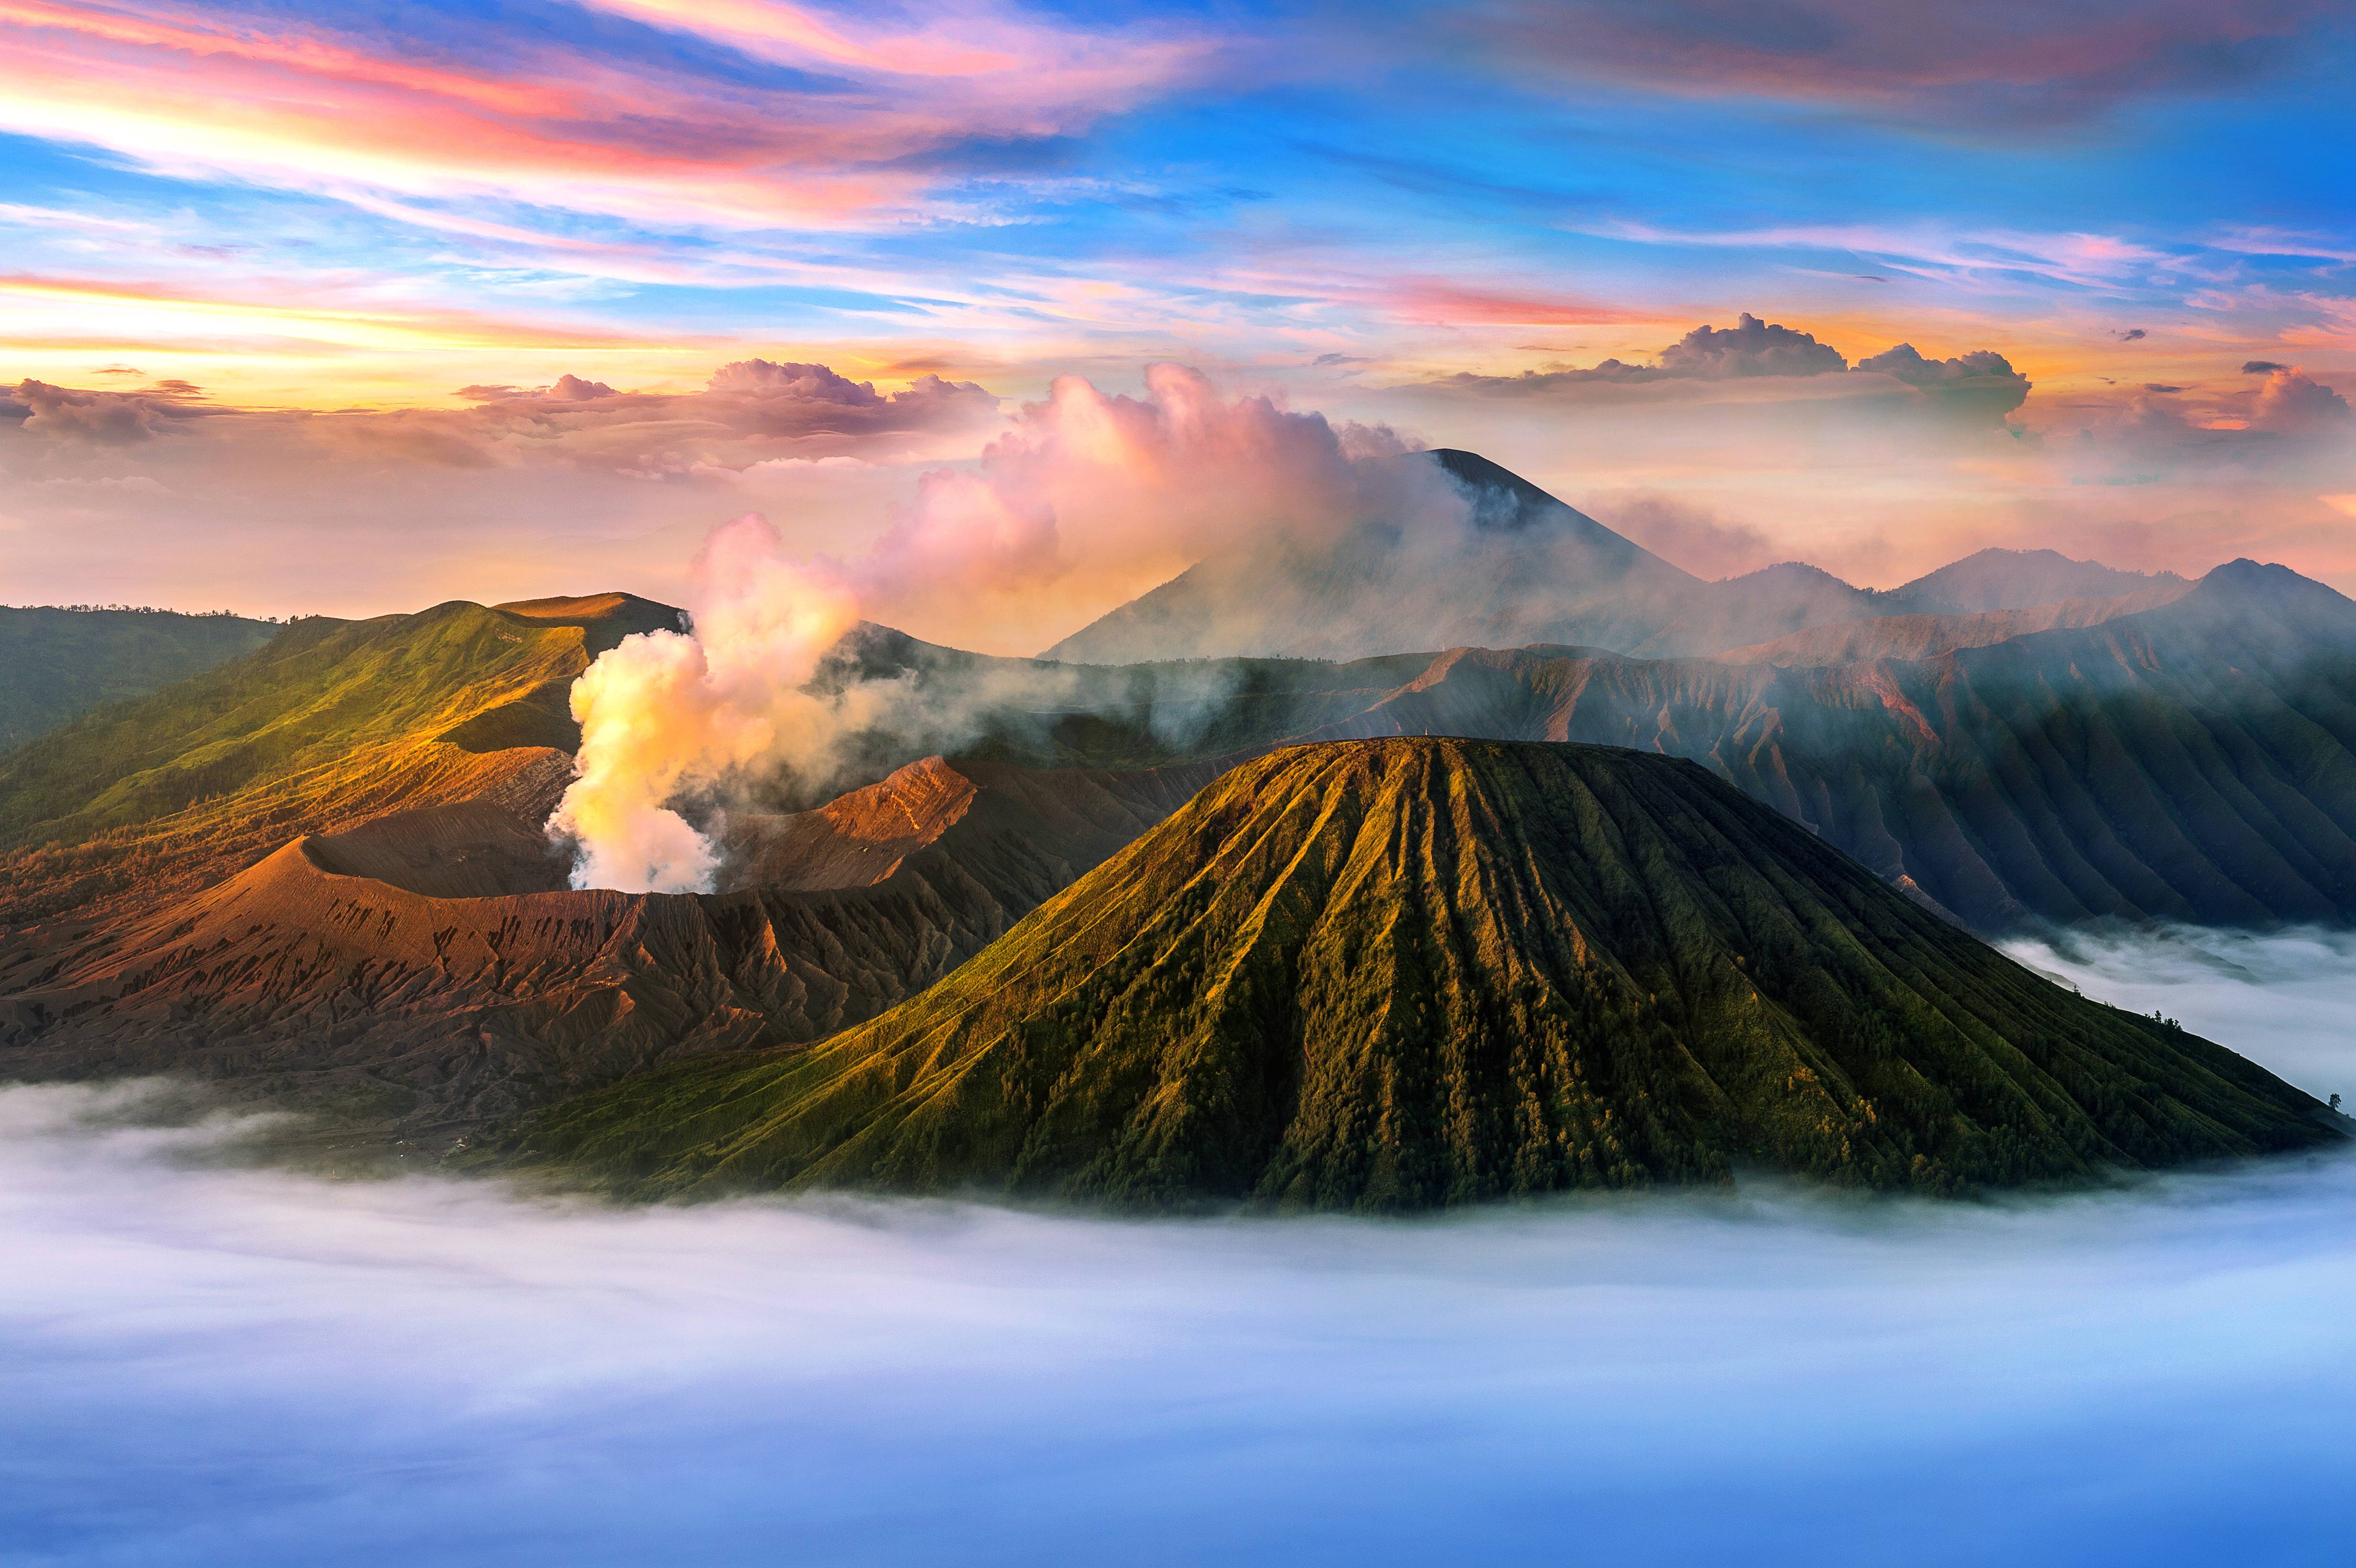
[(2001, 579), (1529, 569)]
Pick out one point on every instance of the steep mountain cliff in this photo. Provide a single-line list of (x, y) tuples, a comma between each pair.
[(1399, 974)]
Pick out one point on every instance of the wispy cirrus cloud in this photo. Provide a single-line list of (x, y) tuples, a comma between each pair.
[(1438, 300), (202, 326), (807, 136), (1932, 250)]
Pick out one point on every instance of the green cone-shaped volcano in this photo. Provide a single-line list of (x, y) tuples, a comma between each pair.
[(1394, 974)]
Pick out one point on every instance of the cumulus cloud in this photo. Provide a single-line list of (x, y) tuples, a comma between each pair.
[(1982, 384), (757, 397), (140, 483), (565, 388), (750, 400), (365, 511), (2290, 430), (2293, 403), (104, 419), (751, 411), (1749, 348)]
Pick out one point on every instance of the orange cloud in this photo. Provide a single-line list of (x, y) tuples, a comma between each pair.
[(445, 329), (1433, 300)]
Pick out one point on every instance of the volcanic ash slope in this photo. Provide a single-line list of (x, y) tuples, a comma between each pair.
[(1396, 974)]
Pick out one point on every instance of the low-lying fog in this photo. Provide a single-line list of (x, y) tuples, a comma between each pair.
[(2286, 1001), (201, 1362)]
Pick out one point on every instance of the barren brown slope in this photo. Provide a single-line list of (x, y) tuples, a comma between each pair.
[(368, 996)]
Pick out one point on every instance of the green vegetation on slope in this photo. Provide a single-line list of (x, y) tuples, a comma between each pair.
[(330, 723), (1396, 974), (56, 663)]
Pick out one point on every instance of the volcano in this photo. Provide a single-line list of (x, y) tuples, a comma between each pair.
[(1408, 973)]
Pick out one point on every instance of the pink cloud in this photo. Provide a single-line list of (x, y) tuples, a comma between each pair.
[(255, 94), (105, 418), (2292, 402), (1434, 300)]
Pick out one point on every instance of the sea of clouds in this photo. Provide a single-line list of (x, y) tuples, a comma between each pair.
[(204, 1359)]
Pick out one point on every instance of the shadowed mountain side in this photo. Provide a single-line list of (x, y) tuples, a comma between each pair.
[(1399, 974), (344, 971), (469, 849), (332, 724), (1924, 636), (2192, 763), (58, 664)]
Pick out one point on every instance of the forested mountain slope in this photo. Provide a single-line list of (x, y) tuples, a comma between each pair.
[(57, 664)]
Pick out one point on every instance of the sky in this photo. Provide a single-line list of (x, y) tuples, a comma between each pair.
[(208, 1356), (351, 308)]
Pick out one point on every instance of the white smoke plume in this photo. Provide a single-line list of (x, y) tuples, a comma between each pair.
[(1086, 487)]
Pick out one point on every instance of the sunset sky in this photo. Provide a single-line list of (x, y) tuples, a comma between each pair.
[(349, 308)]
